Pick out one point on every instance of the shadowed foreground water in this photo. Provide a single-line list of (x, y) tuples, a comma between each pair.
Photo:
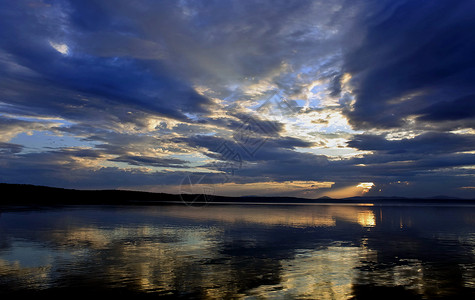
[(241, 251)]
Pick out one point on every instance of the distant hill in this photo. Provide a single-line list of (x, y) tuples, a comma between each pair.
[(21, 194)]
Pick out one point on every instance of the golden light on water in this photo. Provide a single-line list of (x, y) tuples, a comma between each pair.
[(315, 274), (366, 218)]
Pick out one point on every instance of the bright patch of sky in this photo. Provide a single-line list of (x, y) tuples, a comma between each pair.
[(40, 141), (61, 48), (310, 119)]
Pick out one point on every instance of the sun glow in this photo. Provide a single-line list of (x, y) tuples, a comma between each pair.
[(366, 186), (350, 191)]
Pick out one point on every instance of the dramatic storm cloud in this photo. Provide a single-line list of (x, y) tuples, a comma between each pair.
[(301, 98)]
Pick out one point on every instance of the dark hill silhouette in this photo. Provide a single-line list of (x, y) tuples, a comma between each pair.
[(23, 194)]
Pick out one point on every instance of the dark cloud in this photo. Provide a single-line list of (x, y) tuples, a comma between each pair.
[(248, 147), (382, 168), (151, 161), (62, 168), (428, 164), (415, 57), (115, 80), (427, 143), (9, 148), (254, 125), (10, 126), (458, 109)]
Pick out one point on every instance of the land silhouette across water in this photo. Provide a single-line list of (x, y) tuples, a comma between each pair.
[(24, 194)]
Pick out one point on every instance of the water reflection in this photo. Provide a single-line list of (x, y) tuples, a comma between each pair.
[(315, 274), (366, 218), (242, 251), (293, 216)]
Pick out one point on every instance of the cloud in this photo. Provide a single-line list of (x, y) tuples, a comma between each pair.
[(414, 58), (427, 143), (11, 127), (150, 161), (376, 91), (119, 80), (77, 168), (405, 158), (8, 148), (460, 109)]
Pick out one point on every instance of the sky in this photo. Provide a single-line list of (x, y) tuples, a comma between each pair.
[(279, 98)]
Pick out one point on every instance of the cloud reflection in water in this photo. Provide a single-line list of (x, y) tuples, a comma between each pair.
[(240, 251)]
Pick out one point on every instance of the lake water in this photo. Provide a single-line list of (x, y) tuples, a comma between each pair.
[(241, 251)]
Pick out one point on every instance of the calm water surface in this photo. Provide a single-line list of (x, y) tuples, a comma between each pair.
[(242, 251)]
